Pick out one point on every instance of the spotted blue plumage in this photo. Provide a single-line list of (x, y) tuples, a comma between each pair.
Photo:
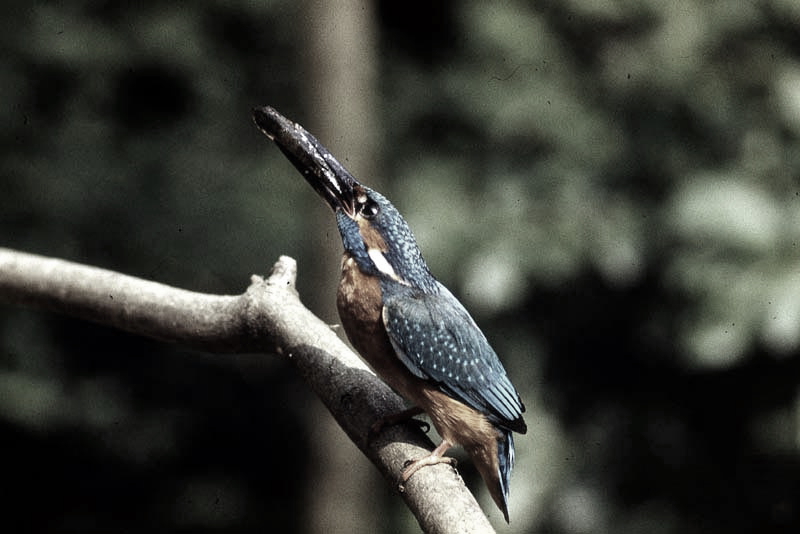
[(437, 340)]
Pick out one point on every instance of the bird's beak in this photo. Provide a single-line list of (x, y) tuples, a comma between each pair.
[(318, 166)]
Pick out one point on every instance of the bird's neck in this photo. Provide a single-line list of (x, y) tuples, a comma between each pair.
[(395, 261)]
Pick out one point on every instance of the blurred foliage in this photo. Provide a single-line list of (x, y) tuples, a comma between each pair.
[(612, 187)]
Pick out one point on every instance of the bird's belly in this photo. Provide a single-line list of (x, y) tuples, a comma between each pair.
[(456, 422), (360, 304)]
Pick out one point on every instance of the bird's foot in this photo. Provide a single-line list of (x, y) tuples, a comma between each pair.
[(436, 457), (399, 417)]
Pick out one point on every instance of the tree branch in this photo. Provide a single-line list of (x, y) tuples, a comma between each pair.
[(268, 317)]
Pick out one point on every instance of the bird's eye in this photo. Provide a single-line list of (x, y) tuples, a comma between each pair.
[(369, 209)]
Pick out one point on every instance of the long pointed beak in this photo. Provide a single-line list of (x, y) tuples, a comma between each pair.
[(317, 165)]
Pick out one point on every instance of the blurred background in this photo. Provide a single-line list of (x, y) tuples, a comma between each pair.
[(612, 188)]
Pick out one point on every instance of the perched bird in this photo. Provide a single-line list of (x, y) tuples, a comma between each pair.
[(407, 326)]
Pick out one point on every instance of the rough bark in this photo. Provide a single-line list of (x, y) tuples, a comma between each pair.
[(268, 317)]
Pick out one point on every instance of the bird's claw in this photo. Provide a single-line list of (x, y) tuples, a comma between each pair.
[(412, 466)]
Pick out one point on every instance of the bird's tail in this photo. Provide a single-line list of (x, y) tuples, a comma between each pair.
[(495, 465), (505, 457)]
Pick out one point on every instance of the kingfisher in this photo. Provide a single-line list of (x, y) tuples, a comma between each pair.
[(406, 325)]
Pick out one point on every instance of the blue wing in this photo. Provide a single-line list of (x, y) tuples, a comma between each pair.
[(437, 340)]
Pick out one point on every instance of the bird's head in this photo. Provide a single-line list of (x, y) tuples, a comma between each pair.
[(373, 231)]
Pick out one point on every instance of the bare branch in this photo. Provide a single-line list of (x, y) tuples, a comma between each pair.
[(268, 317)]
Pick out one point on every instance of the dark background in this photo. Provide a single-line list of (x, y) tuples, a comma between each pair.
[(610, 187)]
